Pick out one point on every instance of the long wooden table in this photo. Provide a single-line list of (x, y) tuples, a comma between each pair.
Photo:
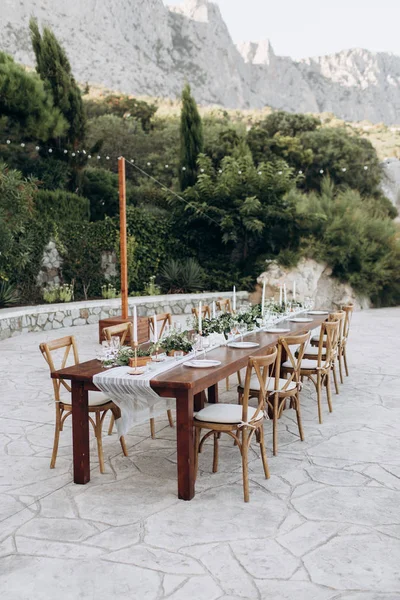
[(184, 384)]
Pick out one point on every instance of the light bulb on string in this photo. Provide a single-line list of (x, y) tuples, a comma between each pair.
[(279, 172), (344, 169), (149, 164), (183, 168), (89, 156), (365, 168), (260, 172), (166, 166), (65, 151), (107, 158), (73, 154), (239, 172), (300, 172), (37, 148), (8, 141), (22, 145), (321, 171), (99, 157), (50, 150)]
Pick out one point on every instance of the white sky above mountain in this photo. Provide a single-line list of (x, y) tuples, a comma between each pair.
[(301, 28)]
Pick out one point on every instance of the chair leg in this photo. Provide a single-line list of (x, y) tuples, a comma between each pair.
[(245, 463), (340, 360), (328, 391), (275, 425), (335, 379), (264, 453), (170, 419), (98, 428), (56, 437), (319, 392), (123, 445), (197, 435), (152, 429), (215, 455), (227, 384), (111, 425), (345, 361), (298, 415)]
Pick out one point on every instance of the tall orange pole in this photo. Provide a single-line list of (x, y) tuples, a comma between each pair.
[(122, 234)]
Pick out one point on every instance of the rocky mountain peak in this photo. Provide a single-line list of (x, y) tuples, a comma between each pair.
[(142, 47)]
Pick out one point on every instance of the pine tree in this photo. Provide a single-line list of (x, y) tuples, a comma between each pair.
[(54, 69), (191, 139), (28, 109)]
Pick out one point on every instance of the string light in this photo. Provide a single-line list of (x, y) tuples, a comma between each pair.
[(167, 166)]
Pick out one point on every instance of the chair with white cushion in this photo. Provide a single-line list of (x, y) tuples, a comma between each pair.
[(99, 404), (318, 369), (235, 418), (279, 390)]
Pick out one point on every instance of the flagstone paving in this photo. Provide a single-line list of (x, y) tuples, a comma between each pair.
[(326, 526)]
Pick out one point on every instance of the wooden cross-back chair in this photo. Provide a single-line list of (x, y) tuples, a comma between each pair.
[(348, 309), (224, 305), (99, 404), (205, 312), (165, 319), (290, 348), (312, 351), (240, 421), (121, 330), (318, 369)]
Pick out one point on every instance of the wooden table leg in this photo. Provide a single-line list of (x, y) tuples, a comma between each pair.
[(80, 433), (213, 394), (185, 443), (199, 401)]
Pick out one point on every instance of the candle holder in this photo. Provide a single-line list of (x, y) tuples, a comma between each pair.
[(138, 362)]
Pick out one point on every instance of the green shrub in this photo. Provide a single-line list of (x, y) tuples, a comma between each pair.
[(61, 207), (101, 189)]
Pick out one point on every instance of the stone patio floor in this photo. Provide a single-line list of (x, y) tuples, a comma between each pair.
[(325, 526)]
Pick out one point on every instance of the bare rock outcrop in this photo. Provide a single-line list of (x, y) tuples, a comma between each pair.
[(313, 279)]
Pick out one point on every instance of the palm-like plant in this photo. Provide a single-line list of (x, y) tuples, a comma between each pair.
[(182, 276), (8, 294)]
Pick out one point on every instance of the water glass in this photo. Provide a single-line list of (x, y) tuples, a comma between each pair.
[(179, 354)]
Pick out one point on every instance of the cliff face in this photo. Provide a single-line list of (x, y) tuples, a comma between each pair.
[(141, 47)]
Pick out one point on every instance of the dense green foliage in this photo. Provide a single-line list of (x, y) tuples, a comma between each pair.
[(25, 106), (209, 199), (192, 141)]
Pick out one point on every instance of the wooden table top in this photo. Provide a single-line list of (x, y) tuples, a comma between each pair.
[(232, 360)]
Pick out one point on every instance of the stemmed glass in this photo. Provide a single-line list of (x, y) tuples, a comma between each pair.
[(206, 343), (242, 328)]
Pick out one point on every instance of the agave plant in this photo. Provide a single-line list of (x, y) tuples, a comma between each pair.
[(8, 294), (182, 276)]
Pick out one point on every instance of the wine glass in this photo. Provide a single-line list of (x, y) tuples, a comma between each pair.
[(242, 328), (206, 345)]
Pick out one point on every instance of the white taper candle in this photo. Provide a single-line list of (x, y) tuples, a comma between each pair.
[(280, 295), (214, 310), (135, 329), (234, 298), (263, 298), (155, 328), (284, 293), (200, 317), (294, 290)]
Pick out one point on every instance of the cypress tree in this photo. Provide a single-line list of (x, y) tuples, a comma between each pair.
[(191, 139), (54, 69)]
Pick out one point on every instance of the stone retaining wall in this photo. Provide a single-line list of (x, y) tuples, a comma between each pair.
[(15, 321)]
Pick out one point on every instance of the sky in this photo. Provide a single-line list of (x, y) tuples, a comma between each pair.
[(301, 28)]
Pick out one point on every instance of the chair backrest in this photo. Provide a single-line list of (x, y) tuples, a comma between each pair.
[(328, 342), (262, 366), (49, 348), (121, 330), (164, 319), (205, 312), (338, 316), (348, 309), (224, 305), (294, 347)]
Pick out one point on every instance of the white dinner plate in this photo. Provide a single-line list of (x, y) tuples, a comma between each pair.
[(301, 320), (202, 364), (318, 312), (277, 330), (242, 345)]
